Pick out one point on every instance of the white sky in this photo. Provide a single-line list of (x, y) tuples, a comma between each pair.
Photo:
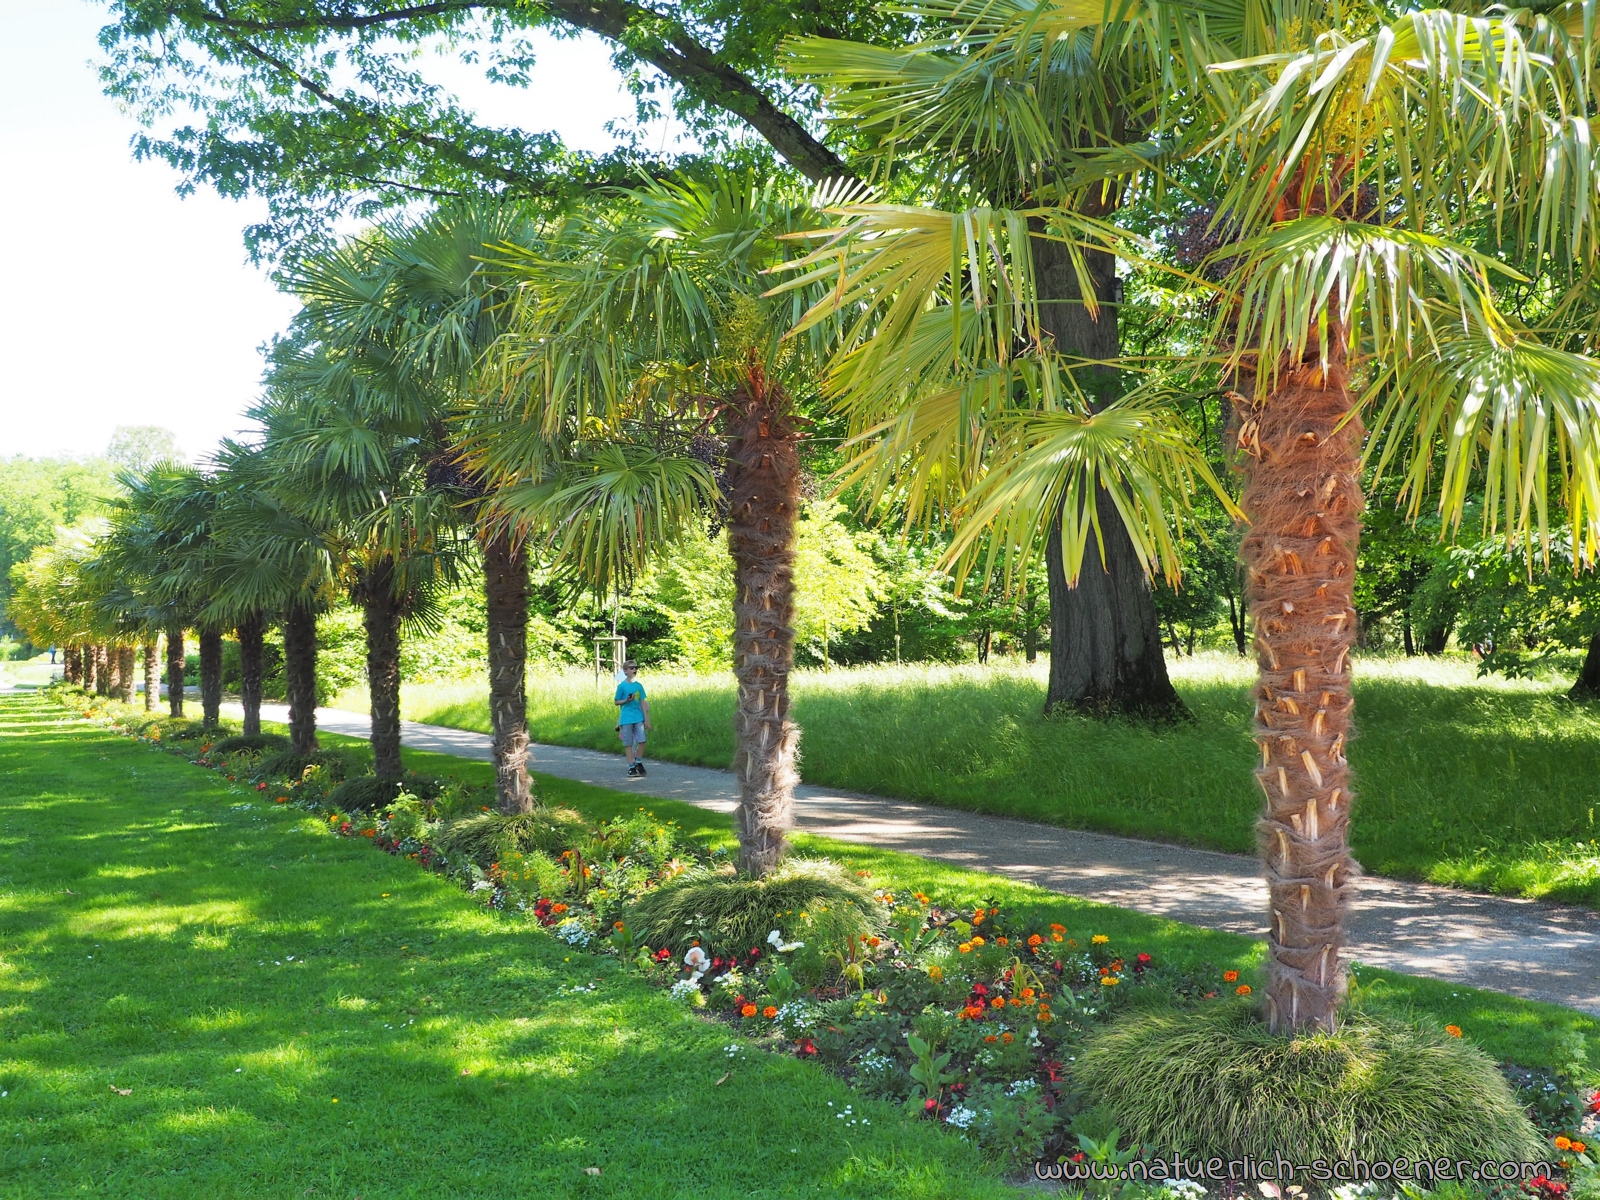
[(125, 305)]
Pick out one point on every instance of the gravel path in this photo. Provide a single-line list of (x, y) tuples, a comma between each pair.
[(1521, 947)]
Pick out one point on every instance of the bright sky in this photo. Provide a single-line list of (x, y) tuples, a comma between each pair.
[(125, 305)]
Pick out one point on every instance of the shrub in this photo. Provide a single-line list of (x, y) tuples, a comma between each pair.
[(258, 742), (1217, 1082), (491, 836), (729, 911), (406, 818), (337, 765), (532, 874), (368, 792)]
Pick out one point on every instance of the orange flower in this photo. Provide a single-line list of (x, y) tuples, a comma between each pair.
[(769, 1011), (1000, 941), (921, 897), (749, 1010), (1055, 937), (874, 942), (1027, 993), (997, 1002), (965, 947), (1016, 1002), (936, 972), (1562, 1142), (1453, 1030), (561, 908), (1054, 928), (976, 940), (1230, 976), (990, 1038), (1242, 990), (1034, 939), (1007, 1038), (1578, 1147)]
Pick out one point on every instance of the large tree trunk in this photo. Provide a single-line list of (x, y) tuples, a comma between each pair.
[(1587, 685), (102, 671), (505, 583), (210, 677), (125, 668), (152, 676), (114, 672), (1303, 498), (249, 632), (175, 667), (764, 498), (1105, 640), (381, 612), (300, 676), (72, 665)]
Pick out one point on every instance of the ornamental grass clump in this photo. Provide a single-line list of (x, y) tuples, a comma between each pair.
[(1217, 1081), (260, 743), (366, 793), (491, 836), (728, 910), (335, 766)]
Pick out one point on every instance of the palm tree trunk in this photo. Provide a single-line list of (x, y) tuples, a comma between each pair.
[(210, 677), (102, 671), (764, 499), (1587, 685), (381, 612), (72, 665), (1105, 641), (1303, 498), (152, 673), (125, 680), (175, 668), (505, 581), (300, 676), (249, 632), (114, 672)]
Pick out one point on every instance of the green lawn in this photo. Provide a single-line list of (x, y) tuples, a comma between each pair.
[(204, 995), (1491, 784)]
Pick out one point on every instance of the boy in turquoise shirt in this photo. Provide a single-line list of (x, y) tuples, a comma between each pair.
[(634, 719)]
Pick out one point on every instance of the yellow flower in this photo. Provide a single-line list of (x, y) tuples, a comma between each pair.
[(965, 947), (1099, 939), (976, 940), (1110, 981), (936, 973), (1562, 1142)]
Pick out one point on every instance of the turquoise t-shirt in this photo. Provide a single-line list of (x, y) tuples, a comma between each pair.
[(632, 713)]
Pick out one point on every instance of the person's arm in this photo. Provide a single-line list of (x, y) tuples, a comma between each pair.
[(644, 707), (621, 696)]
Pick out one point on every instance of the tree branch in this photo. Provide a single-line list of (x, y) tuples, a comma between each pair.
[(656, 37)]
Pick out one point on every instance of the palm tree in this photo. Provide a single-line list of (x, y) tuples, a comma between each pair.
[(341, 436), (1033, 106), (642, 324), (1365, 159), (426, 291)]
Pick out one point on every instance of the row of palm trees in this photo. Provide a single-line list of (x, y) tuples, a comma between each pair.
[(484, 382)]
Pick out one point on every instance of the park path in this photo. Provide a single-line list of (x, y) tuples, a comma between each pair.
[(1521, 947)]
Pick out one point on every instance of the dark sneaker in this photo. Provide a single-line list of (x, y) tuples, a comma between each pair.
[(635, 771), (638, 769)]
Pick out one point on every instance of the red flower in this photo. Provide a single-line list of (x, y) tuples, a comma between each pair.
[(261, 787), (805, 1048), (930, 1105), (979, 989)]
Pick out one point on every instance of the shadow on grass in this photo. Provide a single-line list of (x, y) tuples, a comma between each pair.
[(290, 1013)]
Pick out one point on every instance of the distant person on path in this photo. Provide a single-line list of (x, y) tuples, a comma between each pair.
[(634, 719)]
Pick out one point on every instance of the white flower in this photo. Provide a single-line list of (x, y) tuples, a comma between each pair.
[(1020, 1086), (775, 940), (696, 959), (483, 885), (1185, 1189), (960, 1116), (684, 989)]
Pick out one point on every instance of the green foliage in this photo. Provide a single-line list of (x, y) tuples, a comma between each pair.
[(258, 742), (335, 765), (1215, 1081), (490, 836), (727, 911), (39, 495), (368, 793), (531, 874), (407, 818)]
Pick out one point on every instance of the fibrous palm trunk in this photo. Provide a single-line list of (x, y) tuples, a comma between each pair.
[(1303, 499), (114, 672), (1105, 640), (505, 583), (72, 665), (764, 495), (125, 669), (381, 615), (300, 676), (1587, 685), (249, 632), (175, 669), (102, 671), (210, 677), (152, 676)]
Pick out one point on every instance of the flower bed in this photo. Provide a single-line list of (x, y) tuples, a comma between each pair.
[(963, 1015)]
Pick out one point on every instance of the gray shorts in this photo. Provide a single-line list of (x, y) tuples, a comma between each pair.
[(632, 733)]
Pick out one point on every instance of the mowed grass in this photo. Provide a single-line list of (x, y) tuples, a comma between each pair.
[(204, 995), (1490, 784)]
